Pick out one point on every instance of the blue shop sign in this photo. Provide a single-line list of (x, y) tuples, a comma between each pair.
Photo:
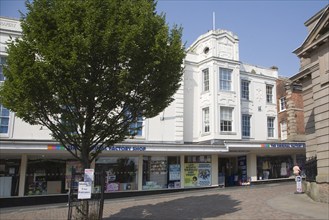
[(125, 148), (284, 145)]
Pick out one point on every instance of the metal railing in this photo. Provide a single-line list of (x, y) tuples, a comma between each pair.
[(88, 209), (311, 169)]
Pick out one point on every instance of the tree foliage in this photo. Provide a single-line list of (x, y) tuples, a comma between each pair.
[(87, 69)]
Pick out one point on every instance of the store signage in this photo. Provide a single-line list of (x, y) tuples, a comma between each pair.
[(55, 147), (299, 184), (9, 25), (112, 148), (125, 148), (284, 145), (84, 190)]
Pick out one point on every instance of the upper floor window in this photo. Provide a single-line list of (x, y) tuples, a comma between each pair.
[(2, 63), (206, 122), (67, 122), (225, 79), (284, 131), (246, 125), (136, 128), (226, 118), (205, 79), (270, 127), (245, 89), (4, 120), (269, 93), (282, 103)]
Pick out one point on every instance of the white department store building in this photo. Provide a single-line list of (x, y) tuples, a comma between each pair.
[(221, 129)]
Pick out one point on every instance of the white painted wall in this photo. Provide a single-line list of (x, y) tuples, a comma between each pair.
[(257, 106), (224, 53), (181, 121)]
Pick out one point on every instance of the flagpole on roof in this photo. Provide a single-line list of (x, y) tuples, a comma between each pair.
[(213, 21)]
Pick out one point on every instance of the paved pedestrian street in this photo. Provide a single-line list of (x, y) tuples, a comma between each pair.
[(267, 201)]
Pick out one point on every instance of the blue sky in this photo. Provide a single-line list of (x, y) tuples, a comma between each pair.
[(269, 31)]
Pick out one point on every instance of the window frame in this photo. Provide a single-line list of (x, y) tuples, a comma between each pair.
[(3, 61), (284, 132), (205, 120), (2, 117), (136, 128), (269, 93), (270, 126), (225, 79), (205, 80), (246, 125), (283, 103), (245, 89), (226, 123)]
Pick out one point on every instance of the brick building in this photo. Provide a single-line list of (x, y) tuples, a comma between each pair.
[(290, 110)]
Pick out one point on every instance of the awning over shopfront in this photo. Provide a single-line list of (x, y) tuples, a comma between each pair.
[(21, 146)]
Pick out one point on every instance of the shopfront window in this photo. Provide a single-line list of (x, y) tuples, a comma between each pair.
[(174, 168), (197, 170), (45, 177), (120, 173), (9, 177), (155, 171), (273, 167)]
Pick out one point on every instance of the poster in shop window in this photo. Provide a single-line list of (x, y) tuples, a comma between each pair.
[(204, 174), (197, 174), (68, 174), (174, 172)]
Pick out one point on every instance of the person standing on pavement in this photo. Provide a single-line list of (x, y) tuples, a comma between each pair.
[(296, 170)]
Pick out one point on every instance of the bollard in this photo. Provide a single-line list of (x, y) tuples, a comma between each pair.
[(299, 184)]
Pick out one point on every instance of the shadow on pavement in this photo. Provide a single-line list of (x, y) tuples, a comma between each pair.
[(194, 207)]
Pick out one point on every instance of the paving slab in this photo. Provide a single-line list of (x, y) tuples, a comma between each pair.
[(267, 201)]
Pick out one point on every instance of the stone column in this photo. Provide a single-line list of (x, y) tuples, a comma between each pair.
[(214, 170), (182, 173), (22, 175), (140, 173), (252, 166)]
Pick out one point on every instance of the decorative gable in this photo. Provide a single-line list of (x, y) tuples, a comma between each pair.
[(318, 35)]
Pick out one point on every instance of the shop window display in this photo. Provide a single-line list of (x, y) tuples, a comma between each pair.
[(9, 177), (197, 170), (155, 171), (120, 173), (273, 167), (174, 173), (70, 180), (45, 177)]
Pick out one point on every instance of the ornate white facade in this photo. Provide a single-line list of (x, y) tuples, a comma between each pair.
[(210, 127)]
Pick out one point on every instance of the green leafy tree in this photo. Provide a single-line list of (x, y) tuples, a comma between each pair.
[(88, 69)]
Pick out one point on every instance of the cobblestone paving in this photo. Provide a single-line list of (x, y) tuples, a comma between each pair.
[(272, 201)]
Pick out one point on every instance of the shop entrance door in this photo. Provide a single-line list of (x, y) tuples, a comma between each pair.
[(227, 168)]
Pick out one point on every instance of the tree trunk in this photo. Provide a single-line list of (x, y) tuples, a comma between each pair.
[(84, 203)]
